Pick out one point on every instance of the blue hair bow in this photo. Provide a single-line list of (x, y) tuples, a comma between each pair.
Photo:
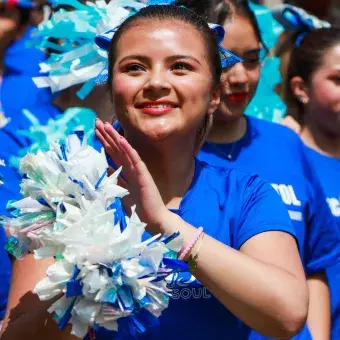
[(297, 20)]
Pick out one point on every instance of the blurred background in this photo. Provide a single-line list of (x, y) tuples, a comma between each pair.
[(326, 9)]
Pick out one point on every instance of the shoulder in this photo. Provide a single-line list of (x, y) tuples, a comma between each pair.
[(267, 128), (251, 203), (232, 180)]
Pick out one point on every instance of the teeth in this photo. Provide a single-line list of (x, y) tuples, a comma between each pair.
[(159, 106)]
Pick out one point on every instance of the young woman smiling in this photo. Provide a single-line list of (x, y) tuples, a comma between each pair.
[(164, 75)]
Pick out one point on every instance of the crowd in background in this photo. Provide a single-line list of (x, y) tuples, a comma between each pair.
[(298, 154)]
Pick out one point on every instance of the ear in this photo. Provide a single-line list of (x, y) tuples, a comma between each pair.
[(299, 89), (215, 99)]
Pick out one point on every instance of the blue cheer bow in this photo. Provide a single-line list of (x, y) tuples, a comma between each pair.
[(296, 19)]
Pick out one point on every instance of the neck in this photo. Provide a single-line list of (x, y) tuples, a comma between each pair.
[(170, 164), (2, 66), (224, 132), (321, 141)]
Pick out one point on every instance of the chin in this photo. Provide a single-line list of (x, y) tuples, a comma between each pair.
[(227, 115), (156, 133)]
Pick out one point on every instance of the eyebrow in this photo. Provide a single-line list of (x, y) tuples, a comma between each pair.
[(182, 56), (146, 59)]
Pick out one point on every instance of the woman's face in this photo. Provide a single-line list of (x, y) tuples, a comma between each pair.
[(324, 93), (162, 82), (240, 81)]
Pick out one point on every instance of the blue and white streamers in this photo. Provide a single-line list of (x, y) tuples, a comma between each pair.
[(77, 59), (41, 136), (103, 269)]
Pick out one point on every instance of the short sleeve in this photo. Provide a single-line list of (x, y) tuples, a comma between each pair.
[(322, 245), (10, 190), (262, 210)]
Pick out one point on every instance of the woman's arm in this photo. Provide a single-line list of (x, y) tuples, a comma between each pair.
[(319, 313), (263, 284), (27, 316)]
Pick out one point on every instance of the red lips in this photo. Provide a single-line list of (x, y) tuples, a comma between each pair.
[(237, 97), (157, 108)]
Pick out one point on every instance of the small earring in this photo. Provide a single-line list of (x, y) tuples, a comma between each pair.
[(302, 100)]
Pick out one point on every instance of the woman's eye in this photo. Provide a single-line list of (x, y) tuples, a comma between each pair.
[(133, 68), (181, 67), (336, 80), (254, 60)]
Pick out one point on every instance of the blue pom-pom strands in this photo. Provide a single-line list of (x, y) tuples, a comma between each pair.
[(72, 211), (78, 60), (81, 56), (41, 136)]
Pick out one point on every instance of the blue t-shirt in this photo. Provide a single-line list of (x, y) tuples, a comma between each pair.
[(9, 190), (277, 154), (232, 207), (18, 92), (5, 273), (328, 170)]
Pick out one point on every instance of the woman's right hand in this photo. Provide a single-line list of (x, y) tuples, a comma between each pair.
[(138, 180)]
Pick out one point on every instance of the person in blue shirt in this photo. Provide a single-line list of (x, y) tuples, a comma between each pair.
[(19, 64), (17, 92), (165, 88), (312, 88), (276, 154)]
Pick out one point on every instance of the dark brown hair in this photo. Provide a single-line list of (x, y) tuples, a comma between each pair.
[(304, 60), (220, 11)]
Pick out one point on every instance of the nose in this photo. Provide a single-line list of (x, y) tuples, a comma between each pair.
[(158, 80), (237, 76)]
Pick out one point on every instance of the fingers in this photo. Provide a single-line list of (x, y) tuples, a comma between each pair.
[(130, 151), (116, 139), (109, 144), (108, 148), (120, 147), (102, 140), (100, 126), (139, 166)]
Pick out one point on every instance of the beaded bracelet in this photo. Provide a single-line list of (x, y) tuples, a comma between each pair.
[(186, 251), (192, 260)]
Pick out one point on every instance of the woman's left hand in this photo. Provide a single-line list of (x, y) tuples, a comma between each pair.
[(143, 191)]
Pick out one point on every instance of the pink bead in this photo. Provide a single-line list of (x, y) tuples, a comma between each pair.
[(191, 244)]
